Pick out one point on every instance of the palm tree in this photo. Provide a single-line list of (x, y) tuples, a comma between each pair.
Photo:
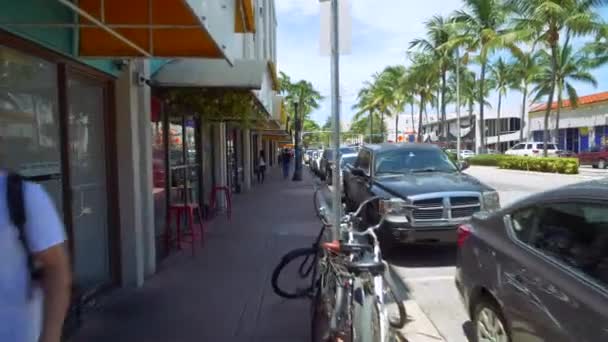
[(525, 72), (502, 79), (422, 79), (438, 32), (367, 104), (389, 93), (549, 20), (481, 28), (571, 66)]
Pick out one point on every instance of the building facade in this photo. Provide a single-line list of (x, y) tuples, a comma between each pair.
[(580, 128), (85, 111)]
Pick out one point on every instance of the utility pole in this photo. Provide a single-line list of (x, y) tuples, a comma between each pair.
[(297, 171), (458, 103), (371, 127), (335, 109)]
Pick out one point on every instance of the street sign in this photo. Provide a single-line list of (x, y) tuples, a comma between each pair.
[(344, 29)]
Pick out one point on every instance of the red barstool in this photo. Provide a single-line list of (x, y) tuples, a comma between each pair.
[(191, 235), (213, 201)]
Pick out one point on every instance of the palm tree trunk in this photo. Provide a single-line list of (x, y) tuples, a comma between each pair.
[(498, 123), (471, 113), (382, 125), (523, 113), (371, 127), (396, 127), (413, 123), (550, 97), (419, 136), (444, 131), (557, 112), (482, 126)]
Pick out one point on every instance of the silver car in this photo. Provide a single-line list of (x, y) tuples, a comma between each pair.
[(538, 270)]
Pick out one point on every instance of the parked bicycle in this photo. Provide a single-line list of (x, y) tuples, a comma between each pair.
[(349, 285)]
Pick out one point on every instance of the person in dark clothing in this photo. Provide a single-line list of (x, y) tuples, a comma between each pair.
[(285, 160), (261, 168)]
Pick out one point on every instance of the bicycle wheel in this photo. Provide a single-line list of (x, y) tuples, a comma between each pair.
[(401, 319), (365, 316), (286, 287)]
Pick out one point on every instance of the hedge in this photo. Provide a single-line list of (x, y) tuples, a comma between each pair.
[(486, 159), (540, 164)]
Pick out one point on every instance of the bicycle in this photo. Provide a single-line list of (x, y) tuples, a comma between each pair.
[(348, 284)]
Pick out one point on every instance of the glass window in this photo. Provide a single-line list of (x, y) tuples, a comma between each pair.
[(573, 234), (29, 119), (518, 147), (415, 160), (529, 147)]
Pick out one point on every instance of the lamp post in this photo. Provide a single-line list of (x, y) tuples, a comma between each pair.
[(458, 103), (297, 171)]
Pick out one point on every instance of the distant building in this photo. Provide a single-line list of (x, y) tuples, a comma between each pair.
[(580, 128), (508, 127)]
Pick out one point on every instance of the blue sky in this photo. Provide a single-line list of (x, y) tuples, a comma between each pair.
[(381, 32)]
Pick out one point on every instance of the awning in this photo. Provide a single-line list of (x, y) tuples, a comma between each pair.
[(160, 28), (211, 73)]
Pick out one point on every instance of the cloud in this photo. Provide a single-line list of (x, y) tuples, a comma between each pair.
[(297, 7)]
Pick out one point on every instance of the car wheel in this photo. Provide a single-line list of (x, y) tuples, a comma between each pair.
[(489, 323), (601, 164)]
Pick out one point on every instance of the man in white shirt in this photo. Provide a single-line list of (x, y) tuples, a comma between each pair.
[(32, 310)]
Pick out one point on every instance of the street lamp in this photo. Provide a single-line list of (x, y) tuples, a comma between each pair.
[(458, 103), (297, 171)]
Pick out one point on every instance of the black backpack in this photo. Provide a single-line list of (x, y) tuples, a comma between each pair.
[(16, 210)]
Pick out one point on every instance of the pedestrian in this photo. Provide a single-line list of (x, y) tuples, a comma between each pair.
[(35, 278), (261, 168), (285, 159)]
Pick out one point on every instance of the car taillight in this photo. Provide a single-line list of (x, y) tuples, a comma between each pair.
[(464, 231), (535, 151)]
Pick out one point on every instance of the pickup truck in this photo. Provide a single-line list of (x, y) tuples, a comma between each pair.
[(596, 157), (422, 178)]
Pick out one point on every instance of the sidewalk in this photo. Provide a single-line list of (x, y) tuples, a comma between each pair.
[(224, 293)]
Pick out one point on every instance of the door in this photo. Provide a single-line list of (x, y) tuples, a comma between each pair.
[(565, 272), (86, 99)]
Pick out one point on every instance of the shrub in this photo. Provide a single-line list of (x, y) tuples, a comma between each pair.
[(540, 164), (486, 159)]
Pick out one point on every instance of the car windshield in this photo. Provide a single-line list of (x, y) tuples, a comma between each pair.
[(412, 161)]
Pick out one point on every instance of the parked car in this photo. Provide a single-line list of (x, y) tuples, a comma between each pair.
[(308, 156), (327, 161), (565, 154), (464, 154), (421, 175), (538, 270), (532, 149), (345, 160), (596, 157), (317, 162)]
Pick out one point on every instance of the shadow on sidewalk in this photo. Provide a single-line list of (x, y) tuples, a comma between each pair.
[(224, 292)]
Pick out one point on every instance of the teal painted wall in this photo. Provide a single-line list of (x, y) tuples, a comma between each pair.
[(57, 39)]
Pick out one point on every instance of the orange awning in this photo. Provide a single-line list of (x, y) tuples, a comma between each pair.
[(150, 28)]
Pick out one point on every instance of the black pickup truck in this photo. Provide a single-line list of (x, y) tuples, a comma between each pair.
[(422, 178)]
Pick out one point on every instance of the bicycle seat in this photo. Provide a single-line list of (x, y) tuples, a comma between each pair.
[(366, 266)]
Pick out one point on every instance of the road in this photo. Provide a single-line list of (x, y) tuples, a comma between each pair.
[(428, 271)]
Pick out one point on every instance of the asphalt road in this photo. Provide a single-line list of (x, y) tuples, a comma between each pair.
[(428, 271)]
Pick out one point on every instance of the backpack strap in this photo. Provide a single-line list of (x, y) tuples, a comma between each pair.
[(16, 210)]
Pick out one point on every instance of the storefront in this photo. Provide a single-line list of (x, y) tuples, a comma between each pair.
[(177, 165), (56, 129)]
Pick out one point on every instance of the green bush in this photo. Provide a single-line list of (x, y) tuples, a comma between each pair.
[(540, 164), (486, 159)]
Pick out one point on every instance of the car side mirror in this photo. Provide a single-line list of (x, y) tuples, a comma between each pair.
[(463, 165), (356, 171)]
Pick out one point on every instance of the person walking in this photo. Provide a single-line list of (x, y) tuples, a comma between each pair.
[(35, 279), (285, 160), (261, 168)]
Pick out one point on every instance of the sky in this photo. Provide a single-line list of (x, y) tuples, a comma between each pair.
[(381, 32)]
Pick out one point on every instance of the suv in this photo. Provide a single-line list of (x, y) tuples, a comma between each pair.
[(423, 177), (532, 149), (327, 161)]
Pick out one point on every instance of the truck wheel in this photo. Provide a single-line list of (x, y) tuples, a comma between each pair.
[(387, 242), (601, 164)]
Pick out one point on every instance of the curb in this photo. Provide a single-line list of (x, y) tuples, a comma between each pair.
[(419, 327)]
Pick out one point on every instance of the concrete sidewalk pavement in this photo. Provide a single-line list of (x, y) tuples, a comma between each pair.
[(224, 293)]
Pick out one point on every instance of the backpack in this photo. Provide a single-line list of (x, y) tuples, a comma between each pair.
[(16, 210)]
